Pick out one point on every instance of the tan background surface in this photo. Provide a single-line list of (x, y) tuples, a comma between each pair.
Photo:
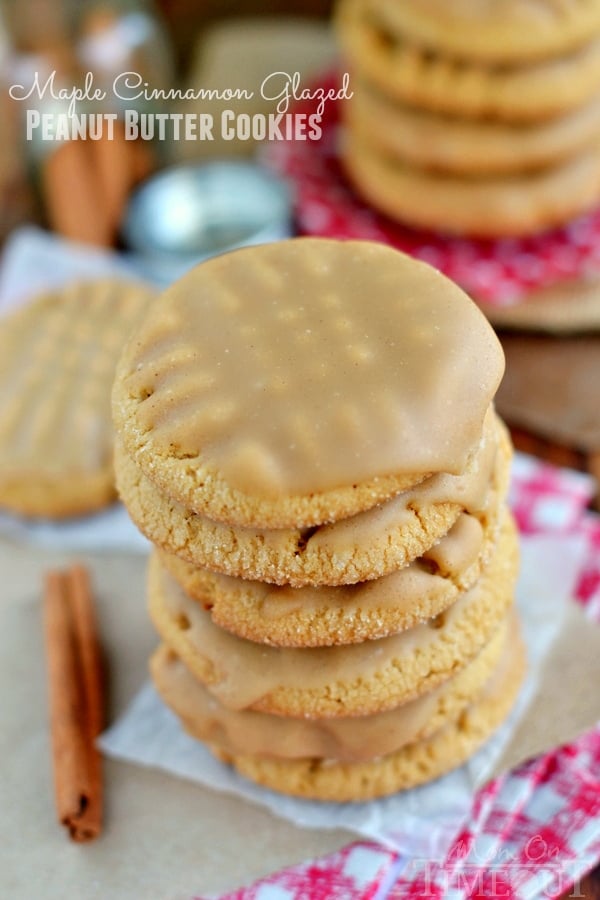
[(166, 838)]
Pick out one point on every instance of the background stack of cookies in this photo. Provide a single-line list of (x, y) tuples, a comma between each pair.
[(324, 479), (476, 119)]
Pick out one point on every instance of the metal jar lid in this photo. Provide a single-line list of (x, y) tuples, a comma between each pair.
[(188, 213)]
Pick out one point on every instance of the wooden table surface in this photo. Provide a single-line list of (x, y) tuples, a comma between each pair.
[(590, 888)]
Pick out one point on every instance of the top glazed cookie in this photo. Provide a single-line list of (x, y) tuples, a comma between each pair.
[(493, 31), (301, 382)]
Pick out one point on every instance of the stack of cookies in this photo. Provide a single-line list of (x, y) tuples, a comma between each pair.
[(306, 433), (473, 118)]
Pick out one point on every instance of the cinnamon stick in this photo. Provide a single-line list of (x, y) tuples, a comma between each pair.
[(114, 163), (594, 470), (75, 205), (144, 161), (86, 632), (76, 702)]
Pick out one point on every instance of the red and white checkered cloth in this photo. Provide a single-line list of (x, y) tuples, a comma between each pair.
[(533, 832), (498, 272)]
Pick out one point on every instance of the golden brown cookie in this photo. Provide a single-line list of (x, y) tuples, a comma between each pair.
[(448, 748), (428, 80), (568, 307), (360, 548), (58, 356), (323, 616), (493, 33), (516, 205), (249, 375), (468, 146), (350, 740), (356, 679)]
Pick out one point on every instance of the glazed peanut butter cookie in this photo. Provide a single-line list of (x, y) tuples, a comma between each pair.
[(58, 357), (368, 545), (350, 740), (324, 616), (276, 386), (415, 75), (356, 679), (413, 764)]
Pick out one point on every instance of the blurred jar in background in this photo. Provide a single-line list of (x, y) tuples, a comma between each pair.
[(121, 37), (16, 197), (105, 38)]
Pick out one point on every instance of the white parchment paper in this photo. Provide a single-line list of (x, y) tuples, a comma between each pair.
[(419, 822)]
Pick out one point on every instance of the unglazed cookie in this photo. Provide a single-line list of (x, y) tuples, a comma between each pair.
[(249, 375), (496, 206), (324, 616), (408, 767), (510, 31), (356, 679), (468, 146), (362, 547), (350, 740), (58, 356), (417, 76), (569, 307)]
